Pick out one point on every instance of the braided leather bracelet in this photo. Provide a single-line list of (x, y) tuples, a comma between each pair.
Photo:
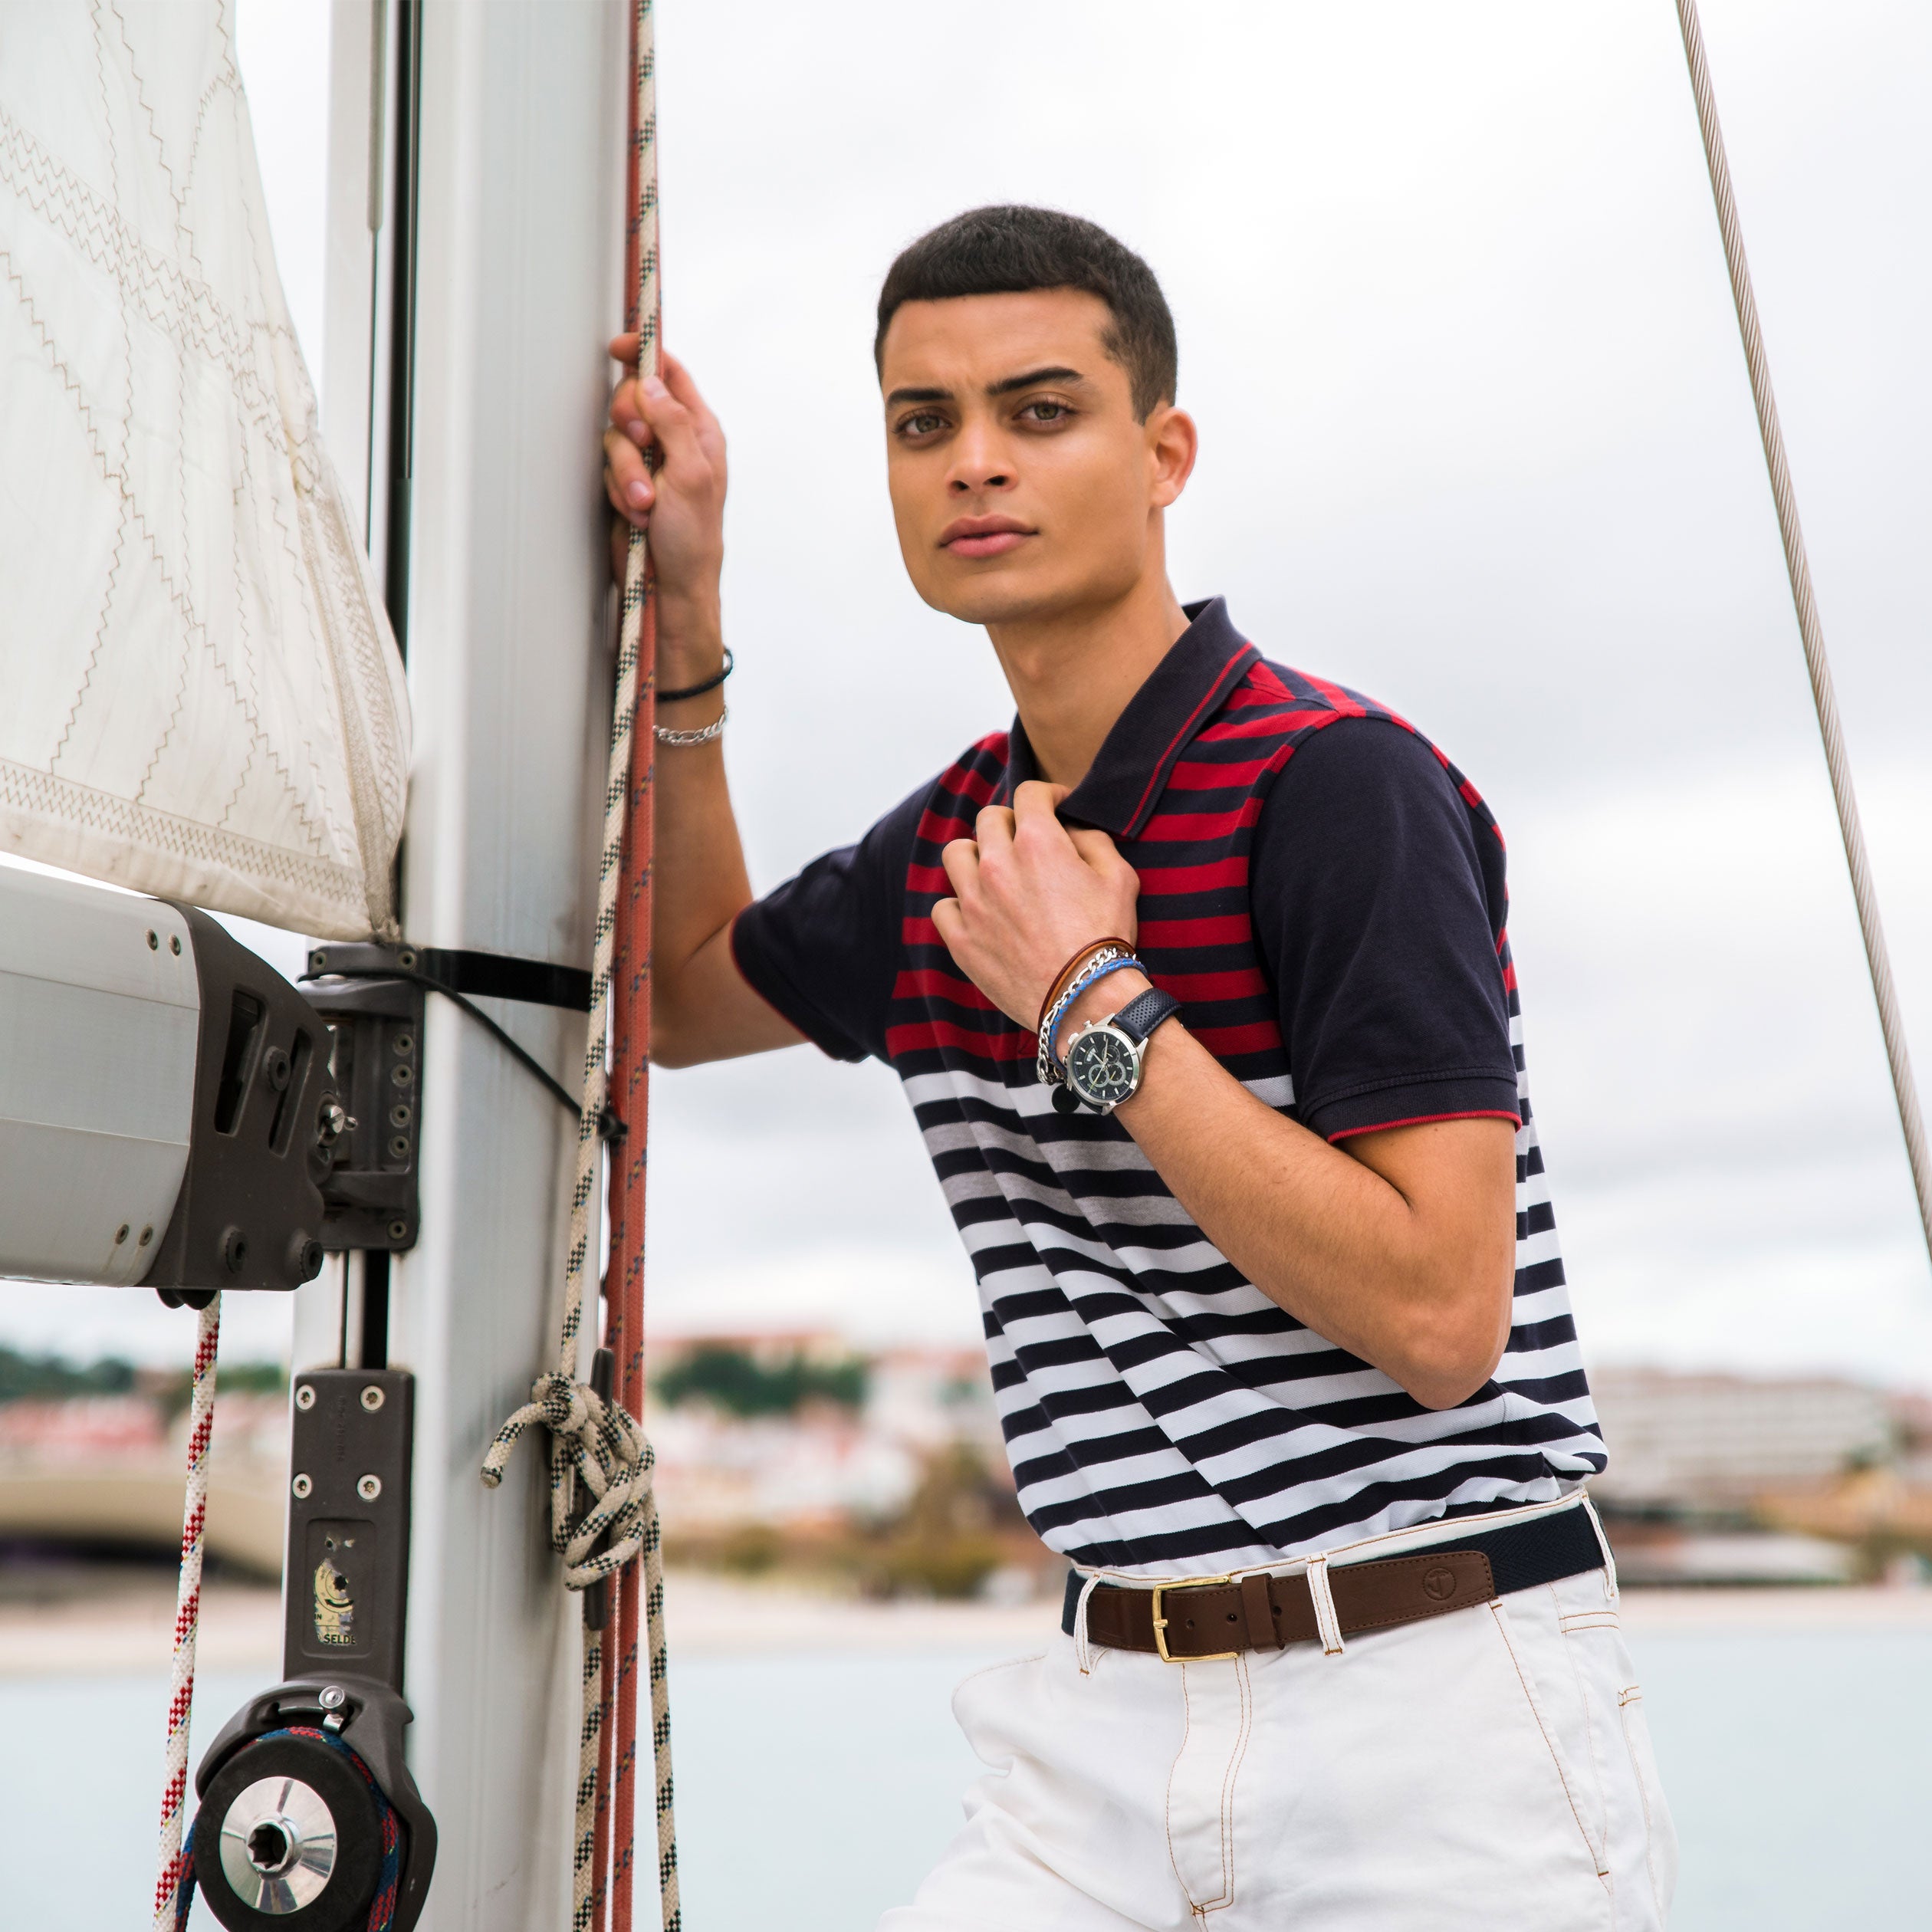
[(1045, 1066), (1064, 977)]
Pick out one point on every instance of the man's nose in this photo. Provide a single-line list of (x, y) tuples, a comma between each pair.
[(980, 461)]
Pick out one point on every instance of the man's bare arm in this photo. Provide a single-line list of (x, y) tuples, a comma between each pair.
[(701, 1007)]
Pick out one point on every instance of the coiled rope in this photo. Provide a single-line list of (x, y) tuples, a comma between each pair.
[(600, 1465), (169, 1880), (1810, 629)]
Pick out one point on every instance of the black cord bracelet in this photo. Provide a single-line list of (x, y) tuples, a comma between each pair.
[(698, 690)]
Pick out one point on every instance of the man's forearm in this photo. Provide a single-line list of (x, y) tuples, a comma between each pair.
[(698, 881), (1413, 1277)]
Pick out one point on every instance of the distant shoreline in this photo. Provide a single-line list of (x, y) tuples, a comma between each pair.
[(130, 1630)]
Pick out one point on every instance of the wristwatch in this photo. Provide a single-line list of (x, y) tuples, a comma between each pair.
[(1104, 1060)]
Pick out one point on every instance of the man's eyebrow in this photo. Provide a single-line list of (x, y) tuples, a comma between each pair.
[(1032, 377)]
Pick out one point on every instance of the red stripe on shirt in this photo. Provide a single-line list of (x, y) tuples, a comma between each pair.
[(1423, 1120)]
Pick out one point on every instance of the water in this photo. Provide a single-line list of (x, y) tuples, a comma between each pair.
[(1799, 1763)]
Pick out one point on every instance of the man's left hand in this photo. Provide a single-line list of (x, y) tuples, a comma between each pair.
[(1029, 894)]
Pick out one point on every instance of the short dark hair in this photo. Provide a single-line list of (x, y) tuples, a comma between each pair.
[(1008, 251)]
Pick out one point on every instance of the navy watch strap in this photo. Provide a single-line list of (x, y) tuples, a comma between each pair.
[(1141, 1015)]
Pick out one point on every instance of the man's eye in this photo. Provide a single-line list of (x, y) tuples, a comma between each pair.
[(1043, 411), (922, 424)]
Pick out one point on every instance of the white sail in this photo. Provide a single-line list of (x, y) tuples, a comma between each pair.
[(200, 696)]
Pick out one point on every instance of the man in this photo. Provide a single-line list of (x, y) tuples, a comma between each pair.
[(1269, 1278)]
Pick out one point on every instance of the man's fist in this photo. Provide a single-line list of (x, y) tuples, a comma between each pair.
[(681, 502), (1029, 894)]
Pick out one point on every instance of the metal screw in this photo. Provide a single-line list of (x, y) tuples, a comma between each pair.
[(398, 1230), (302, 1486), (305, 1396), (333, 1697), (369, 1487), (372, 1399), (121, 1235), (332, 1119), (403, 1043)]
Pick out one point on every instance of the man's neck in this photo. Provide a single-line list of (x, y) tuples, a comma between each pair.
[(1074, 674)]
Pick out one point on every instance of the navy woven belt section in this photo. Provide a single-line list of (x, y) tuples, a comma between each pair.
[(1217, 1616)]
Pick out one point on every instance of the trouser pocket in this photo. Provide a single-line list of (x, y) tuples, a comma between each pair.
[(1660, 1833), (1558, 1699)]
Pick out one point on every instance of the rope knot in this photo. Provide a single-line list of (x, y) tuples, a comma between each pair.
[(562, 1400), (601, 1469)]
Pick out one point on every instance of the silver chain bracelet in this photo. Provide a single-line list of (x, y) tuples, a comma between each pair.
[(1045, 1066), (703, 735)]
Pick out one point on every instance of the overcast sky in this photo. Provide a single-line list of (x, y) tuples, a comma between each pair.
[(1477, 439)]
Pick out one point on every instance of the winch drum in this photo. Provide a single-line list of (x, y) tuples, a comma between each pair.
[(288, 1839)]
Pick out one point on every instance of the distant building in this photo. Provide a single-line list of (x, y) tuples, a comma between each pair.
[(825, 1462), (1718, 1441)]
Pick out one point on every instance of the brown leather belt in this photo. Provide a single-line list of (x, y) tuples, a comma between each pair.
[(1217, 1618)]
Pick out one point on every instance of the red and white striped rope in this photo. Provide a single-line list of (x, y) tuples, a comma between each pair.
[(181, 1690)]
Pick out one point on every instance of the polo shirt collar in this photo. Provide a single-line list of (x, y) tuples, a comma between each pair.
[(1181, 693)]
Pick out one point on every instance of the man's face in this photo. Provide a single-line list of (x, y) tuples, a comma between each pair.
[(1022, 486)]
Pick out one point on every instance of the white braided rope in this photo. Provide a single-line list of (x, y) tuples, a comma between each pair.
[(1809, 628), (180, 1686), (600, 1465)]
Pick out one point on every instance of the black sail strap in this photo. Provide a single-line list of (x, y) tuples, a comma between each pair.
[(480, 975), (458, 975)]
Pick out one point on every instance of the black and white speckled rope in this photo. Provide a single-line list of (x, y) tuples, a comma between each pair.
[(600, 1465), (1809, 628)]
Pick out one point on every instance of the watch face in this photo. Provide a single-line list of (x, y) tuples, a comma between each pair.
[(1102, 1067)]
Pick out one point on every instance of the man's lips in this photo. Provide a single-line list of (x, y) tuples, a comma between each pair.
[(983, 536)]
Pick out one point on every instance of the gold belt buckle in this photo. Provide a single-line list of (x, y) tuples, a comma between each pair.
[(1161, 1622)]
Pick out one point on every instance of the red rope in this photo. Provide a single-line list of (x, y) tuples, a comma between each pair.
[(632, 1088)]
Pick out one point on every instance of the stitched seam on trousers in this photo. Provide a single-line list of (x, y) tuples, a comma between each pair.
[(1602, 1849), (1630, 1695), (1228, 1776), (1167, 1810), (1550, 1743), (1589, 1620)]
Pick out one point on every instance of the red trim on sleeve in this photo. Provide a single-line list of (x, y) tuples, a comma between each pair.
[(1423, 1120)]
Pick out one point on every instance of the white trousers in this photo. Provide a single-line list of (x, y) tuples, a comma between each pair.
[(1488, 1770)]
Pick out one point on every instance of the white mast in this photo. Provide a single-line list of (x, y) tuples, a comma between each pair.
[(517, 114)]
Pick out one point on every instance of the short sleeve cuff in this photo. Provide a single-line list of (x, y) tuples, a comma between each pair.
[(753, 957), (1461, 1093)]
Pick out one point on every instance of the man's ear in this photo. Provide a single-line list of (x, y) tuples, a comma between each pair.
[(1173, 443)]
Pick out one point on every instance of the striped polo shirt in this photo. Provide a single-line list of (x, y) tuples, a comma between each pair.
[(1324, 893)]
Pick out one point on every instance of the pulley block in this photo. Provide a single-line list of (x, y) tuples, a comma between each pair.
[(310, 1821)]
